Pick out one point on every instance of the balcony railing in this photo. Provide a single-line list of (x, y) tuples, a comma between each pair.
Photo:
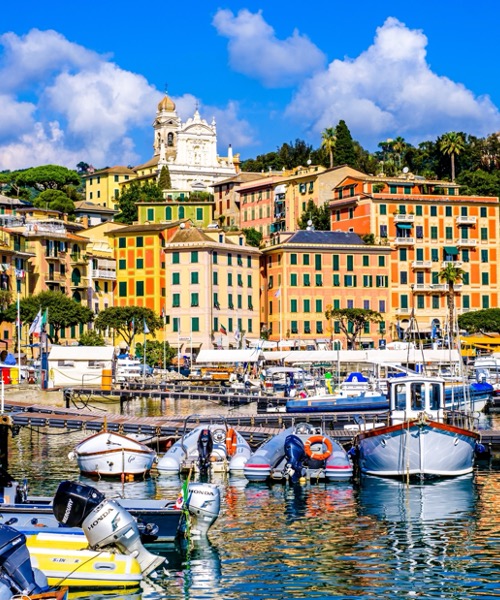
[(422, 287), (466, 220), (451, 263), (404, 218), (462, 242), (404, 241), (103, 274), (422, 264)]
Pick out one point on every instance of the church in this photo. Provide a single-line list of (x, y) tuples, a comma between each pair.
[(188, 149)]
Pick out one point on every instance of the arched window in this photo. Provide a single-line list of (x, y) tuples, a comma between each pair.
[(181, 212), (168, 213), (170, 139)]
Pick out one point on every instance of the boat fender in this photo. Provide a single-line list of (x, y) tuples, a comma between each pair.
[(316, 439), (231, 442)]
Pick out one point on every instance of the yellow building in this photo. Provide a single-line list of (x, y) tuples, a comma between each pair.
[(102, 187)]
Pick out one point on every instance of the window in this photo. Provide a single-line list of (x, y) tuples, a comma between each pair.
[(367, 281), (195, 324), (335, 266), (403, 301), (139, 263), (420, 254), (317, 262), (139, 288), (366, 261), (122, 289), (176, 324), (435, 302), (175, 258), (420, 301), (195, 277), (151, 214), (249, 281), (336, 280), (483, 211), (434, 233), (293, 259), (319, 305), (249, 262), (319, 327), (418, 210), (122, 242), (293, 305), (305, 259), (229, 259), (307, 306), (250, 326), (350, 262), (419, 232), (448, 211), (240, 280), (249, 301), (336, 304), (465, 301), (181, 212), (195, 299), (435, 254), (350, 304), (176, 300), (349, 280), (366, 304), (199, 214), (381, 261), (383, 209), (336, 327), (403, 277), (383, 231), (307, 279), (239, 260), (403, 254), (307, 326), (122, 264), (215, 257), (484, 233), (484, 256), (230, 301), (381, 281), (139, 242), (434, 211), (216, 301), (381, 306), (294, 327), (194, 256), (168, 213), (485, 278), (448, 232), (239, 301), (229, 279), (293, 279), (215, 278), (319, 280), (393, 189), (485, 301)]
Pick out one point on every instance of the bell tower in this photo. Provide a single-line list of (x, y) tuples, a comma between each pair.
[(166, 127)]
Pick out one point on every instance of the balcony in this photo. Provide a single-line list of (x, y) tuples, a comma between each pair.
[(78, 258), (404, 218), (443, 287), (53, 256), (103, 274), (421, 264), (422, 287), (451, 263), (404, 241), (55, 278), (465, 243), (466, 220)]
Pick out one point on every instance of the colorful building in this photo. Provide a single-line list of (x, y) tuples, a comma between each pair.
[(102, 187), (429, 225)]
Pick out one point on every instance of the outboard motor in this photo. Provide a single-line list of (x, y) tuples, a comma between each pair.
[(104, 522), (205, 447), (17, 577), (295, 455), (203, 505)]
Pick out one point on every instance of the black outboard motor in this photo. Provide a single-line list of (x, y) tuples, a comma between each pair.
[(295, 455), (205, 447), (16, 573), (105, 522)]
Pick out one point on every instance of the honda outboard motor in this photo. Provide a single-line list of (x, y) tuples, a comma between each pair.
[(295, 454), (205, 447), (203, 504), (104, 522), (17, 577)]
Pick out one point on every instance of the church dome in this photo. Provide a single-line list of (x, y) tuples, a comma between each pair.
[(166, 104)]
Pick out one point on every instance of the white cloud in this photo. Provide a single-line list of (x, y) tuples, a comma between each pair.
[(254, 49), (390, 90), (15, 117)]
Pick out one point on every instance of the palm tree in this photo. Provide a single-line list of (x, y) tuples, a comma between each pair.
[(452, 143), (451, 275), (328, 139), (398, 147)]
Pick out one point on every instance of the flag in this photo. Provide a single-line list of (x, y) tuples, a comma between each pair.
[(131, 325), (163, 313), (146, 328), (223, 330), (36, 326), (237, 335), (277, 293)]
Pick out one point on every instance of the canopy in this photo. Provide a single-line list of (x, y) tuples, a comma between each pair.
[(81, 353), (451, 250), (404, 225)]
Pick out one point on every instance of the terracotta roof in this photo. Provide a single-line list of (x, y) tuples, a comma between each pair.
[(192, 234), (83, 205), (143, 227), (116, 170)]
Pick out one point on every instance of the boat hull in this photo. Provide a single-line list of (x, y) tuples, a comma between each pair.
[(67, 558), (417, 448)]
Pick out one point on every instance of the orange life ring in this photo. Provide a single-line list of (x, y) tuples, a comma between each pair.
[(315, 439), (231, 442)]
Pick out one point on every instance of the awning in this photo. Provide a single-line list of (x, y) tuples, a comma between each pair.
[(451, 250), (404, 225)]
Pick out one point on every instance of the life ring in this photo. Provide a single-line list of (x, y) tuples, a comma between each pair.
[(315, 439), (231, 442)]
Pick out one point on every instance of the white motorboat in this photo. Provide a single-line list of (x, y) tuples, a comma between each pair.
[(301, 451), (418, 437), (210, 446), (109, 454)]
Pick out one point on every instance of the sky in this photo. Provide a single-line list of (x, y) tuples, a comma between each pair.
[(81, 81)]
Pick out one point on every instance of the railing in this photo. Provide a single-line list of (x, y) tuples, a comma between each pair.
[(421, 264), (404, 241), (462, 220), (451, 263), (465, 242), (103, 274), (404, 218)]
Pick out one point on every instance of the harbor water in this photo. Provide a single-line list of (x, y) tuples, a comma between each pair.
[(374, 538)]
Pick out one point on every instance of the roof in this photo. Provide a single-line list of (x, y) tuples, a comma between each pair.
[(118, 169), (228, 356), (192, 234), (85, 206), (241, 177), (325, 237), (143, 228), (81, 353)]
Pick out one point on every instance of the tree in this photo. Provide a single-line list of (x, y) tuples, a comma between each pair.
[(91, 338), (320, 217), (155, 352), (345, 153), (132, 195), (252, 237), (62, 312), (328, 142), (82, 167), (452, 143), (352, 321), (48, 177), (55, 200), (399, 147), (451, 275), (481, 321), (126, 321), (165, 181)]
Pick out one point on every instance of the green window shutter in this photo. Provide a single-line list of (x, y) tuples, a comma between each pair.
[(122, 290), (195, 277), (404, 301), (194, 256), (293, 305), (435, 254), (319, 305), (336, 279), (293, 259), (176, 300), (336, 304), (434, 233), (175, 258), (139, 288), (176, 278), (366, 261), (122, 264), (307, 306), (195, 324), (293, 279), (465, 301), (335, 262), (122, 242), (139, 263), (195, 299), (350, 262), (317, 262)]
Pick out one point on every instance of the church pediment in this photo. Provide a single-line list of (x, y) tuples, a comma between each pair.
[(198, 129)]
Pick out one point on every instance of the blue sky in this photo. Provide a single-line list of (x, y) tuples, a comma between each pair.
[(81, 81)]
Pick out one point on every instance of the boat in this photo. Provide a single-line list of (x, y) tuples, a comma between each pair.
[(210, 446), (300, 451), (109, 454), (159, 521), (418, 436), (19, 577)]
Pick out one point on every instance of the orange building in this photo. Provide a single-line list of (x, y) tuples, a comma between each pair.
[(429, 225)]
